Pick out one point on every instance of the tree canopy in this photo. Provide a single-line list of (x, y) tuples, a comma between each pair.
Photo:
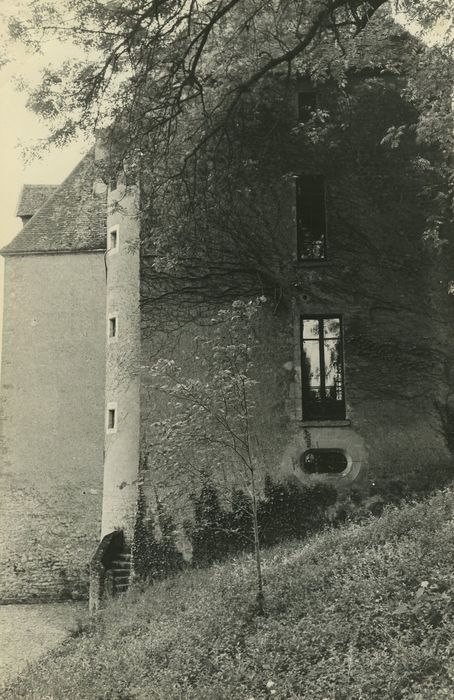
[(152, 61), (195, 94)]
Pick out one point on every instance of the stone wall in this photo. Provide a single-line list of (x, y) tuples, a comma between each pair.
[(389, 288), (53, 369)]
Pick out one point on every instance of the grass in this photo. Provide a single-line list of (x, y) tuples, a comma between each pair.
[(362, 612)]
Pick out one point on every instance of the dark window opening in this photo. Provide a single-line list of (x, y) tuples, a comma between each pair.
[(311, 217), (324, 461), (113, 237), (307, 105), (115, 178), (322, 373), (113, 182), (112, 327), (111, 419)]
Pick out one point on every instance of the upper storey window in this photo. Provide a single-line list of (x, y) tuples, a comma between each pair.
[(113, 180), (115, 175), (311, 217), (307, 105)]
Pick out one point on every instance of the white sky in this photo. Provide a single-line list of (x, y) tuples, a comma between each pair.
[(19, 125)]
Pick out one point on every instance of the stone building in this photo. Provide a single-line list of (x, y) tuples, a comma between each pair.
[(364, 382), (53, 379)]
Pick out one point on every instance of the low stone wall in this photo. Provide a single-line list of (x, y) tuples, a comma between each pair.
[(44, 551)]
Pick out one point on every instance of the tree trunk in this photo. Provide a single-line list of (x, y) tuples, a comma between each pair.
[(260, 598)]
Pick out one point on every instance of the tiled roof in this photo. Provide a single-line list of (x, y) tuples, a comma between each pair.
[(73, 218), (32, 198)]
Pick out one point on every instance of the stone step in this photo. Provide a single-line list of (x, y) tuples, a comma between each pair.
[(119, 564), (123, 585), (120, 572), (121, 578)]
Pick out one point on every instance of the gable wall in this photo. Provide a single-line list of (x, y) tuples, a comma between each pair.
[(53, 368)]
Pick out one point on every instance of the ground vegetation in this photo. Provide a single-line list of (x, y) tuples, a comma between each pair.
[(362, 611)]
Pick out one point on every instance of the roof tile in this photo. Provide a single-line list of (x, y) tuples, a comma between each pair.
[(32, 197), (73, 218)]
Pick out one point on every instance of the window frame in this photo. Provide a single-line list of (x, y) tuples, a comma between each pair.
[(113, 230), (115, 177), (299, 209), (112, 317), (113, 181), (111, 407), (323, 415), (326, 450)]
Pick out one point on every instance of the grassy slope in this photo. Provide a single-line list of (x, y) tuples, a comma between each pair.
[(347, 618)]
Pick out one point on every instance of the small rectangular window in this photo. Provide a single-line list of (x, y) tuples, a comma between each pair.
[(115, 175), (322, 372), (112, 327), (113, 239), (311, 217), (113, 180), (111, 419), (307, 105)]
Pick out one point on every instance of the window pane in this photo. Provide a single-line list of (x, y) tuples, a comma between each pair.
[(311, 363), (331, 327), (311, 328), (333, 370)]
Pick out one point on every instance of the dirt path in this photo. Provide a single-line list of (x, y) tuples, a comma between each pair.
[(28, 631)]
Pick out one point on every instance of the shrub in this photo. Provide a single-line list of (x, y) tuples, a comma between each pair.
[(286, 511), (290, 511), (154, 558), (213, 533)]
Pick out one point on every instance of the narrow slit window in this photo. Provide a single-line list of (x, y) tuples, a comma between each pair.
[(307, 105), (113, 239), (113, 181), (113, 327), (311, 217), (322, 371), (111, 419)]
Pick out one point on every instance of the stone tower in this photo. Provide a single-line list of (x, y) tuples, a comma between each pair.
[(122, 410)]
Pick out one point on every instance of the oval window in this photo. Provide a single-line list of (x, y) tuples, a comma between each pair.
[(324, 461)]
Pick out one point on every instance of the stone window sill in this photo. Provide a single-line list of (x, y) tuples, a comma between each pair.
[(325, 423), (313, 263)]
